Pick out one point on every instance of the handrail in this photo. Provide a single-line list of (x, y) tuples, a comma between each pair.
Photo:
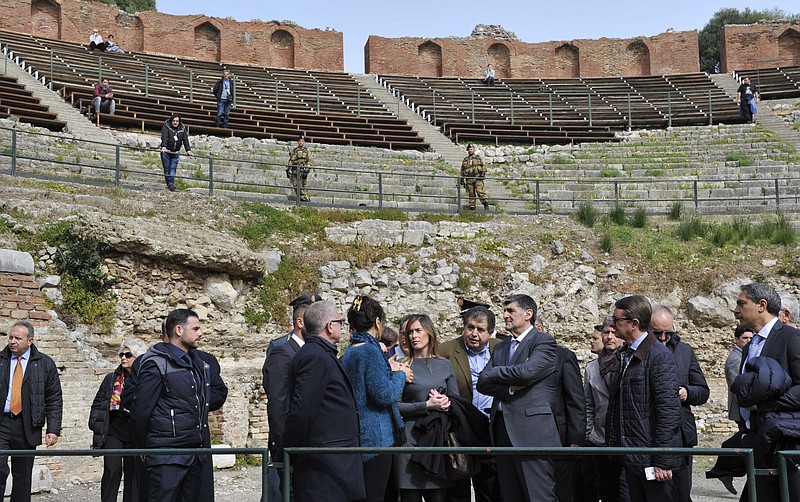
[(404, 186), (529, 451)]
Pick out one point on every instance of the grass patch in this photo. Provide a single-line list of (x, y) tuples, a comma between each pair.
[(561, 159), (639, 218), (244, 460), (265, 220), (610, 173), (675, 211), (464, 282), (607, 243), (691, 229), (617, 214), (739, 230), (275, 291), (434, 217), (741, 158), (587, 214), (473, 217), (654, 172)]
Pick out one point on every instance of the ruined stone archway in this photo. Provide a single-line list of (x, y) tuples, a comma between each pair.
[(130, 32), (207, 42), (789, 48), (568, 63), (46, 19), (638, 56), (500, 58), (282, 49), (430, 59)]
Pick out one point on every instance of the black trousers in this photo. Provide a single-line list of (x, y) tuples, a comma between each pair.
[(642, 490), (175, 483), (115, 468), (376, 477), (12, 437), (207, 476)]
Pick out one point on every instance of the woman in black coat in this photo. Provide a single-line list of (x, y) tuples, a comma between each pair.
[(108, 420)]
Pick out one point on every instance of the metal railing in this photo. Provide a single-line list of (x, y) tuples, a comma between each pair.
[(535, 452), (764, 64), (747, 453), (329, 186), (282, 93), (614, 108)]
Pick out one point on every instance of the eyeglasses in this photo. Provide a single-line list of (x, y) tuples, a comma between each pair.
[(660, 332), (126, 355), (616, 319), (341, 322)]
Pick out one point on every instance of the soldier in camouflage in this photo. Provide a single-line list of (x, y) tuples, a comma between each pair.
[(472, 173), (299, 167)]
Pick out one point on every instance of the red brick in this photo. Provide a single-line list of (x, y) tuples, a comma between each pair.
[(19, 314), (40, 315), (8, 282), (675, 52), (746, 46), (253, 42)]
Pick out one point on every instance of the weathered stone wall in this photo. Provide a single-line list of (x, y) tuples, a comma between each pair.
[(671, 52), (769, 45), (278, 44)]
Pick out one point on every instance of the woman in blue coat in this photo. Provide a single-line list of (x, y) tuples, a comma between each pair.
[(377, 384)]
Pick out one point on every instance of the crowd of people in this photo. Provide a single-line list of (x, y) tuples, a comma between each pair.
[(513, 387)]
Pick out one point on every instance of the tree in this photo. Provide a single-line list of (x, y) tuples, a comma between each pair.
[(132, 6)]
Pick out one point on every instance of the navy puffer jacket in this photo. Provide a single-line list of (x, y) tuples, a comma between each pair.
[(764, 379)]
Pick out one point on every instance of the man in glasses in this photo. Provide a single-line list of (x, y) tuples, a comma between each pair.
[(692, 389), (321, 411), (644, 410)]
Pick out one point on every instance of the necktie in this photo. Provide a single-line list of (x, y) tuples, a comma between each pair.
[(511, 350), (16, 389)]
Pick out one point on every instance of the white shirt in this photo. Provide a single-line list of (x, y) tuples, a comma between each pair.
[(300, 341), (96, 38)]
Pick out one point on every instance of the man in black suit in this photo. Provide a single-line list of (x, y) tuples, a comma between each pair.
[(757, 307), (275, 373), (321, 411), (521, 376), (469, 354), (31, 391)]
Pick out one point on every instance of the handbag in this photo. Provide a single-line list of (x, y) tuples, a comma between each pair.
[(459, 465)]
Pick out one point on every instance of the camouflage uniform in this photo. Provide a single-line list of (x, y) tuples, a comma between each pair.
[(299, 159), (472, 174)]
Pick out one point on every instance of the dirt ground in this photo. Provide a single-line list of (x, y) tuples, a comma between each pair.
[(244, 484)]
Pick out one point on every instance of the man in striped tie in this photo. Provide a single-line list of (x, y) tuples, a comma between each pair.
[(31, 392)]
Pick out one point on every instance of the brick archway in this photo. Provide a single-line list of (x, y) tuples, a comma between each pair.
[(500, 58), (207, 42), (568, 63), (46, 19), (282, 49), (430, 59), (638, 55), (789, 48)]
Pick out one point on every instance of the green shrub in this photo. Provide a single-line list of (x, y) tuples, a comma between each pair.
[(639, 219), (741, 158), (675, 211), (463, 282), (82, 306), (691, 228), (587, 214), (560, 159), (607, 243), (273, 295), (610, 173), (617, 214)]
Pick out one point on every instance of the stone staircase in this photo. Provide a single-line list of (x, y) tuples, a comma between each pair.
[(764, 116), (452, 153)]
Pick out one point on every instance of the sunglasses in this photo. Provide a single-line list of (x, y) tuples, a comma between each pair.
[(126, 354), (660, 332)]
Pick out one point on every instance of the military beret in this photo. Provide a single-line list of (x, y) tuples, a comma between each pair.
[(470, 146), (464, 304), (302, 136), (306, 299)]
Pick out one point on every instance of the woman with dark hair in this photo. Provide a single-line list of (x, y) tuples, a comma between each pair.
[(173, 135), (377, 384), (434, 380), (108, 419)]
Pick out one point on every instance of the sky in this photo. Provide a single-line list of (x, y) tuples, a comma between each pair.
[(531, 21)]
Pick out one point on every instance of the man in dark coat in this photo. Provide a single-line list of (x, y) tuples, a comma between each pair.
[(24, 368), (521, 376), (275, 378), (692, 390), (321, 411), (223, 92), (170, 409), (644, 410), (757, 307)]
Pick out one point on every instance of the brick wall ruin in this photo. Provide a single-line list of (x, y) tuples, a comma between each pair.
[(671, 52), (275, 44), (750, 46)]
